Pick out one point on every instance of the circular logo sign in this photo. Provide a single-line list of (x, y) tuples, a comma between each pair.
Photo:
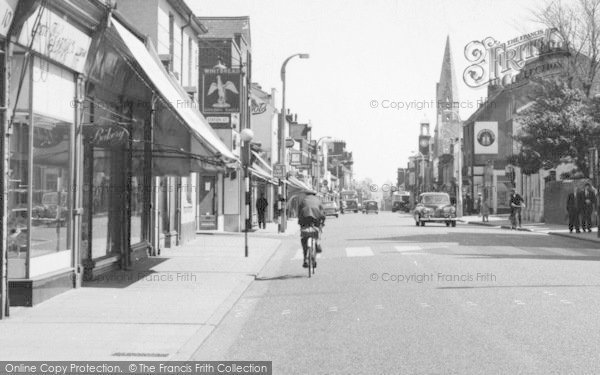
[(424, 143), (485, 137)]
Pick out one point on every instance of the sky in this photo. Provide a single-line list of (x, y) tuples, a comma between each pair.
[(366, 54)]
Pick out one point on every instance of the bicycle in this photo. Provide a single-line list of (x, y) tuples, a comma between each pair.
[(311, 247)]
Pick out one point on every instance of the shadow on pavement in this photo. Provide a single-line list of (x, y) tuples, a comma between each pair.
[(141, 270), (282, 277)]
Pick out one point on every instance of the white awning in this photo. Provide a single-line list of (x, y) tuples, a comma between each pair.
[(178, 103)]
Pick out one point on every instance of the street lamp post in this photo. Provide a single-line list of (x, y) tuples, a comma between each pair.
[(458, 156), (282, 121), (319, 164), (247, 135)]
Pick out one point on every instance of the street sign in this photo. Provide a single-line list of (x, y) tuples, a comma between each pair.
[(279, 171), (289, 143)]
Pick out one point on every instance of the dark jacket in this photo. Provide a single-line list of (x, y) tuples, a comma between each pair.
[(572, 202), (261, 204), (581, 200), (310, 211)]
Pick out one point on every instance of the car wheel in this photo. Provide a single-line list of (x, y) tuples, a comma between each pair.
[(336, 216), (447, 223), (453, 223)]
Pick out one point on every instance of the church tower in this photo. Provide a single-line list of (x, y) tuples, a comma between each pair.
[(448, 126)]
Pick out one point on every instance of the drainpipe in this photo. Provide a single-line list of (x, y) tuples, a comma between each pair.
[(188, 24)]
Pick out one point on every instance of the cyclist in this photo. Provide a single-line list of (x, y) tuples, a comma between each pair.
[(310, 214)]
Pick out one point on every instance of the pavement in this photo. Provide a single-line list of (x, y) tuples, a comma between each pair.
[(272, 229), (502, 221), (161, 309)]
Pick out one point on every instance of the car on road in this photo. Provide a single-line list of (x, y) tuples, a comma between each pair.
[(331, 209), (435, 207), (370, 207), (352, 205)]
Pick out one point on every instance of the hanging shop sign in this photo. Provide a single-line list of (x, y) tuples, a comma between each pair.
[(106, 136), (486, 137), (221, 90), (56, 39), (499, 63)]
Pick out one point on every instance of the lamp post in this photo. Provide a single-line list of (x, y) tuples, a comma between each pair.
[(422, 170), (247, 135), (458, 156), (319, 164), (282, 122)]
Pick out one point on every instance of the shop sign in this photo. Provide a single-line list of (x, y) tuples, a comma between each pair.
[(57, 39), (7, 12), (279, 171), (499, 63), (257, 106), (486, 137), (221, 90), (47, 138), (106, 136), (219, 122)]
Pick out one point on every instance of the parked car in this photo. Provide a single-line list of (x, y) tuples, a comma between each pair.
[(370, 207), (331, 209), (435, 207)]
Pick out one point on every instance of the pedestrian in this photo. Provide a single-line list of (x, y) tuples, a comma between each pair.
[(587, 203), (478, 204), (485, 211), (516, 204), (261, 208), (468, 204), (573, 210)]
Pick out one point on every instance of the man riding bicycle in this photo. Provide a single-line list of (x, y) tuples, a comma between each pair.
[(310, 214)]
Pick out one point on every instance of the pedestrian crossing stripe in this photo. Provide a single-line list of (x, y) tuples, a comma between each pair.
[(402, 248), (359, 251)]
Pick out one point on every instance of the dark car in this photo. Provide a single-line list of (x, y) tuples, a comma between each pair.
[(435, 207), (330, 209), (370, 207), (351, 205)]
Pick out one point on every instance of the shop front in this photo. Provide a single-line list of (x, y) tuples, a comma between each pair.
[(41, 189)]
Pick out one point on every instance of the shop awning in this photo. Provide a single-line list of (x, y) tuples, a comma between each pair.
[(173, 96), (297, 185)]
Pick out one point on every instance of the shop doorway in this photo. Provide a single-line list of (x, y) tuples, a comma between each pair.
[(207, 203)]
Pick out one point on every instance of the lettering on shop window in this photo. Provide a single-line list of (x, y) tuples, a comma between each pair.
[(106, 136)]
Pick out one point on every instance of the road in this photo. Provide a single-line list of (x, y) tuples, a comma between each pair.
[(390, 297)]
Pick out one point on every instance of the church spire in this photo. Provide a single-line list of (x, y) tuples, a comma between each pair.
[(446, 87)]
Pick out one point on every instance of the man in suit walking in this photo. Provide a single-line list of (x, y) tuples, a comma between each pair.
[(573, 210), (587, 204)]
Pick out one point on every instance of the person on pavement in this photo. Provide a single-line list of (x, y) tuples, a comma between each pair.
[(587, 203), (573, 210), (310, 214), (516, 204), (261, 208)]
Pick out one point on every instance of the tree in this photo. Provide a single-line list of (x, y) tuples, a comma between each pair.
[(577, 23), (558, 127)]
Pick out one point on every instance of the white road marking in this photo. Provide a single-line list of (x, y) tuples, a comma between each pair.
[(425, 305), (548, 293), (471, 303), (333, 309), (378, 307), (285, 312), (565, 301), (402, 248), (519, 302), (359, 251), (240, 314)]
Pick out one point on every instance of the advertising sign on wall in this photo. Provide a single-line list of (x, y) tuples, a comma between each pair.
[(486, 137), (221, 90), (57, 39)]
